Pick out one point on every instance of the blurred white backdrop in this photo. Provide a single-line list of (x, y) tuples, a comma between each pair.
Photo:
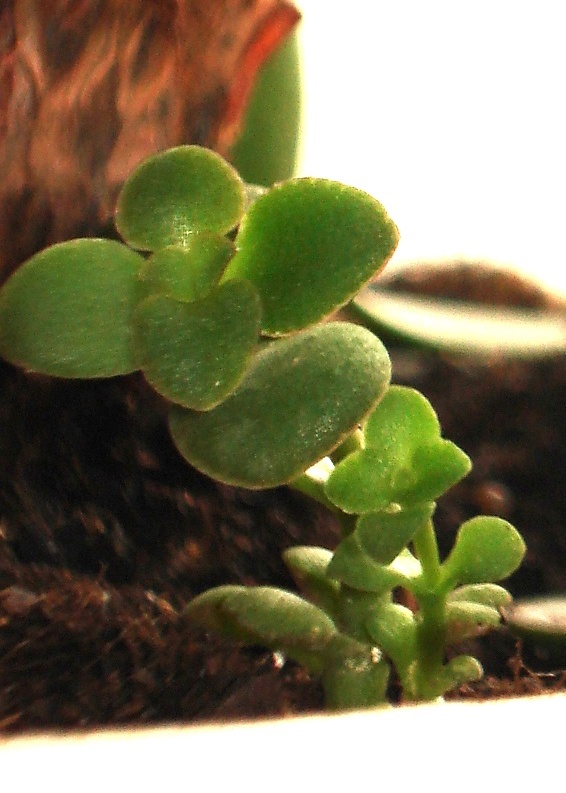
[(451, 113)]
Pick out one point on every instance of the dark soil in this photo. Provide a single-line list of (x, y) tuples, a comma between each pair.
[(105, 532)]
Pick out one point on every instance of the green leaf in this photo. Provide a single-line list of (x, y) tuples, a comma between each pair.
[(403, 420), (487, 549), (266, 150), (308, 566), (397, 435), (308, 246), (383, 535), (363, 481), (207, 611), (300, 398), (67, 312), (434, 468), (267, 616), (393, 628), (484, 594), (353, 567), (176, 193), (195, 354), (188, 273), (459, 670), (472, 614), (466, 619)]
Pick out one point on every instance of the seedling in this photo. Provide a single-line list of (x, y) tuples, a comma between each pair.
[(220, 296), (347, 627)]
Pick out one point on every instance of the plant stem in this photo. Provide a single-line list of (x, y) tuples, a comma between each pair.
[(431, 631), (426, 550), (314, 488), (353, 443)]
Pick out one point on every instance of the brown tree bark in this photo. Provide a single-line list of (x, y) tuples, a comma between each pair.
[(89, 88)]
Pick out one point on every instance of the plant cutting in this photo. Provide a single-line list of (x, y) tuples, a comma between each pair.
[(214, 297)]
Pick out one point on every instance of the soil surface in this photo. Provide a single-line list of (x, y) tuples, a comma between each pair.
[(105, 532)]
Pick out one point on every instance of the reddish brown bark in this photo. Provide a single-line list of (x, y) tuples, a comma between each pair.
[(90, 88)]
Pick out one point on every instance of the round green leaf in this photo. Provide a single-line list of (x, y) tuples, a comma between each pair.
[(300, 398), (383, 535), (176, 193), (460, 670), (190, 272), (309, 245), (403, 420), (487, 549), (195, 354), (67, 312), (424, 684)]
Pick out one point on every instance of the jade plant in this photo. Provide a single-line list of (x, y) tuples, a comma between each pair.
[(221, 294)]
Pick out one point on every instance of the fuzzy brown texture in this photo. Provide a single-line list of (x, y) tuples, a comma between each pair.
[(90, 88)]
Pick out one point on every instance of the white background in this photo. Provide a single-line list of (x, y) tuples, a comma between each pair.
[(451, 113)]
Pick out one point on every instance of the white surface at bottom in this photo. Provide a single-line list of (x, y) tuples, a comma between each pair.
[(445, 747)]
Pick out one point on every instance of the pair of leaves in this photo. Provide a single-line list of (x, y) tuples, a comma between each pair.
[(404, 460), (487, 549), (394, 480), (353, 567)]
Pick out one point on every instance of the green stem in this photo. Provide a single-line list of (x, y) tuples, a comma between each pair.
[(432, 628), (353, 443), (315, 489), (426, 550)]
